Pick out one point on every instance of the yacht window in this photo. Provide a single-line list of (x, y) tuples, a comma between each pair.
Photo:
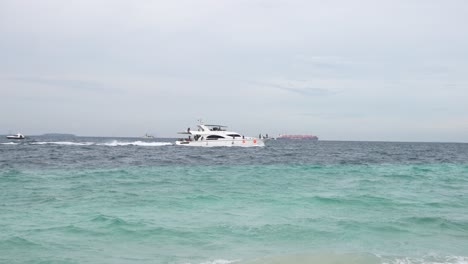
[(213, 137), (234, 135)]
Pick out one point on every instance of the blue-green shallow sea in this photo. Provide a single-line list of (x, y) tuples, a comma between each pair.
[(123, 200)]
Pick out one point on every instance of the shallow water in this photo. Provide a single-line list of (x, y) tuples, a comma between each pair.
[(123, 200)]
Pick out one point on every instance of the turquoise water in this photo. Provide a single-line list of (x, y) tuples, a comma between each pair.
[(160, 211)]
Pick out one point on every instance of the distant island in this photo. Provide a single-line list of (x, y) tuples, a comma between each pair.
[(285, 136)]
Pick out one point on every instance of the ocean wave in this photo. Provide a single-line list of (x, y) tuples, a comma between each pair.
[(67, 229), (361, 200), (9, 143), (111, 221), (437, 222), (16, 241), (136, 229), (120, 226), (204, 197)]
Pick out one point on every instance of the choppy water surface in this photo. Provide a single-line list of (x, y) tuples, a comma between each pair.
[(123, 200)]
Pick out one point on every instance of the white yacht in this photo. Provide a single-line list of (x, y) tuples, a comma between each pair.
[(17, 136), (217, 136)]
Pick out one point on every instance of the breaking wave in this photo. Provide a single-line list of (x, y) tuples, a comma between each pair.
[(353, 258), (346, 258)]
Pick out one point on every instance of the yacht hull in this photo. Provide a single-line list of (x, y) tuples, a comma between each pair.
[(223, 143), (14, 137)]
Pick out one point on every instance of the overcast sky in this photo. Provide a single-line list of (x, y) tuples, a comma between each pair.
[(392, 70)]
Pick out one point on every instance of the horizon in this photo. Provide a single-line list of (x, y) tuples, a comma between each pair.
[(341, 70), (52, 134)]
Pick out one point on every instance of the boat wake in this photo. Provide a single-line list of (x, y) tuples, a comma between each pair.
[(65, 143), (114, 143)]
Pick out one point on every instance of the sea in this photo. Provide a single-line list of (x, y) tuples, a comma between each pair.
[(66, 199)]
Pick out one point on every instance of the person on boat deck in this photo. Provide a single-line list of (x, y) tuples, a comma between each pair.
[(188, 129)]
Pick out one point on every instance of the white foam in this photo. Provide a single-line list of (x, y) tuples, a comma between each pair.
[(66, 143), (428, 260), (116, 143), (9, 143), (350, 258)]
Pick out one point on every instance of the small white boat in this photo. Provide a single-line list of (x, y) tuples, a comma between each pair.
[(148, 136), (217, 136), (17, 136)]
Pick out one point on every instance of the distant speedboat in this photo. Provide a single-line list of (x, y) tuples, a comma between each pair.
[(148, 136), (217, 136), (17, 136)]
